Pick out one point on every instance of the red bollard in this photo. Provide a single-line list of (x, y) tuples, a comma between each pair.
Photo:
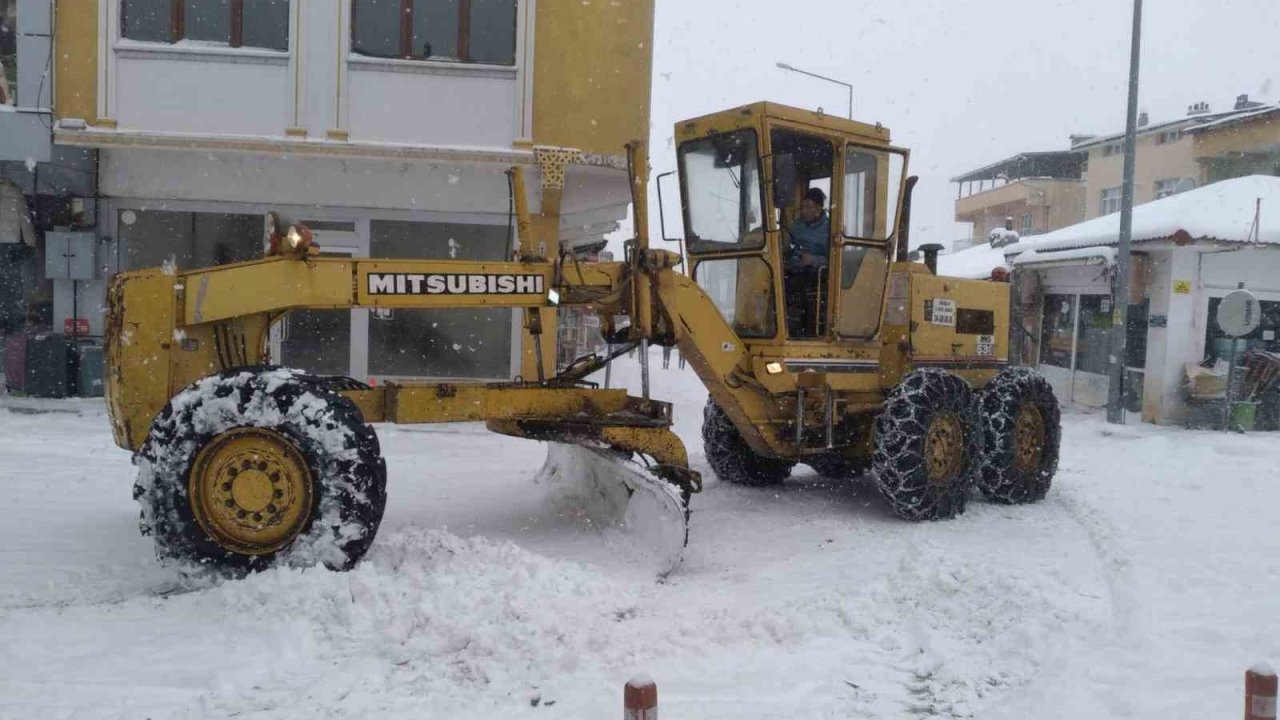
[(640, 699), (1260, 692)]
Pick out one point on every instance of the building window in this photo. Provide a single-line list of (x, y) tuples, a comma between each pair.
[(469, 31), (1115, 148), (1173, 186), (151, 238), (1110, 201), (472, 343), (235, 23), (1028, 224), (1168, 136)]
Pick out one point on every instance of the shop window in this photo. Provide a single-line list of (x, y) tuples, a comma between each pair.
[(1217, 346), (1093, 346), (235, 23), (151, 238), (468, 31), (1057, 330), (473, 343)]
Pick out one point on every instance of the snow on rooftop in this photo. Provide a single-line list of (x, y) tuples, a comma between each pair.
[(973, 263), (1191, 123), (1233, 119), (1223, 211)]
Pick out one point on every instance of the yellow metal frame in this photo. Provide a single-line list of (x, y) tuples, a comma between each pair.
[(167, 331)]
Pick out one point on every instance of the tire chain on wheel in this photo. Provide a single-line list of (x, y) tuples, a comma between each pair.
[(1000, 479), (898, 463), (731, 458), (340, 449)]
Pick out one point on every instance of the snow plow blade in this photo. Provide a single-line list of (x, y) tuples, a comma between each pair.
[(619, 495)]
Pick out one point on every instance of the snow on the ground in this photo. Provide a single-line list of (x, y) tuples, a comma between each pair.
[(1142, 587)]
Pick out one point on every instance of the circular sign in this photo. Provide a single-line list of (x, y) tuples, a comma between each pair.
[(128, 217), (1239, 313)]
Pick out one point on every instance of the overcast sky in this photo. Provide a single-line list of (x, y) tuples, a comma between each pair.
[(962, 83)]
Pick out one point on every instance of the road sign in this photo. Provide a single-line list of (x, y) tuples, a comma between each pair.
[(1239, 313)]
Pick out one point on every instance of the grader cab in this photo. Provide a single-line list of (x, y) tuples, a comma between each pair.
[(817, 340)]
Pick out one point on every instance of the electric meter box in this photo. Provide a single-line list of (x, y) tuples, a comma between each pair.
[(70, 255)]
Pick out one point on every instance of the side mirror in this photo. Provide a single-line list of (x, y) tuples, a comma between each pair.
[(784, 180)]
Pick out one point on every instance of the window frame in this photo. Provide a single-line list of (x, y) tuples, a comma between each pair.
[(178, 23), (464, 35), (1103, 198), (892, 204), (695, 245), (1028, 223)]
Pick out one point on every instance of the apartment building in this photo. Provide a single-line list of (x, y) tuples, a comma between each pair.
[(1241, 144), (1166, 160), (385, 125), (1044, 191), (1038, 191)]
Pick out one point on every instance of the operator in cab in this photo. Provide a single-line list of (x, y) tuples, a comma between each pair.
[(805, 262)]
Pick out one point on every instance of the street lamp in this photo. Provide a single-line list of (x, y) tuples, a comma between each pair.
[(785, 66)]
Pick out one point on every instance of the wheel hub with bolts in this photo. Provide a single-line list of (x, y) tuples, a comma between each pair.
[(251, 490), (1028, 438), (944, 448)]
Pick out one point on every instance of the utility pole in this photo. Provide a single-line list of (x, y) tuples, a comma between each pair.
[(1119, 329), (785, 66)]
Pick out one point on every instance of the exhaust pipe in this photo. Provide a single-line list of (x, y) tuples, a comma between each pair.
[(904, 220)]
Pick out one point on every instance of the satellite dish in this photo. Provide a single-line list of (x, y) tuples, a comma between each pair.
[(1184, 185), (1239, 313)]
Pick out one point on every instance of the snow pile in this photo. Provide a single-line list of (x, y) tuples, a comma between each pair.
[(1142, 586)]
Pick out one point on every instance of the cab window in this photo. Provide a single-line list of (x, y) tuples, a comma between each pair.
[(723, 192), (866, 214)]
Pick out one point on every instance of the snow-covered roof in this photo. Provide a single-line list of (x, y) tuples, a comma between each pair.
[(1188, 123), (1254, 114), (975, 262), (1221, 212)]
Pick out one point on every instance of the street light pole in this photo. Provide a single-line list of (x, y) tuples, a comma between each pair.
[(785, 66), (1119, 329)]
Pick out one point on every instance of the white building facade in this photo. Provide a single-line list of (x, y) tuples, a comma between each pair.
[(387, 126)]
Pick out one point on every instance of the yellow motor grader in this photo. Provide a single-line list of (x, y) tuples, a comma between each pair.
[(853, 359)]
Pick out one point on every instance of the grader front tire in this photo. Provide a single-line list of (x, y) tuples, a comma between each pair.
[(928, 446), (732, 460), (252, 468)]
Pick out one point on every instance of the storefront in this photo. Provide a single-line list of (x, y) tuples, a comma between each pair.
[(378, 345), (1189, 252)]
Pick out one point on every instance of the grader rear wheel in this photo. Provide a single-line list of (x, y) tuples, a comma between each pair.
[(928, 446), (252, 468), (1022, 432)]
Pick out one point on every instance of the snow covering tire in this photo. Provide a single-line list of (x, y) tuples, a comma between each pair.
[(311, 433), (834, 467), (1022, 431), (928, 446), (731, 458)]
